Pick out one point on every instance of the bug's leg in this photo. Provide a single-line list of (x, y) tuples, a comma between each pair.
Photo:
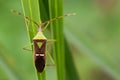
[(26, 47), (51, 59), (51, 41), (45, 27), (28, 25)]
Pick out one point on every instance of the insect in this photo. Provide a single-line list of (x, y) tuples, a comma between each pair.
[(39, 42), (39, 51)]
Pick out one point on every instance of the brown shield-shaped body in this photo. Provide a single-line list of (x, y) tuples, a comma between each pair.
[(39, 54)]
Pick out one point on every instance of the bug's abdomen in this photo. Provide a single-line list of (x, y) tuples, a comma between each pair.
[(39, 63)]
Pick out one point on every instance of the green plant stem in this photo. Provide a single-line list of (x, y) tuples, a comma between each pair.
[(41, 76), (56, 9), (32, 10)]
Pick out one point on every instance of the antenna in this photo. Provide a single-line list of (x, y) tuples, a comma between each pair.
[(47, 22), (27, 18), (59, 17), (44, 23)]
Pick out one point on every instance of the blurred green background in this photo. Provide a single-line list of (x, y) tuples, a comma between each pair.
[(93, 36)]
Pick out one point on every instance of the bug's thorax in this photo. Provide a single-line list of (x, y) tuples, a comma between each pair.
[(39, 36), (39, 43)]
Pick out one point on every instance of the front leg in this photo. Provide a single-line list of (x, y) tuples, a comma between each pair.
[(26, 47), (49, 41)]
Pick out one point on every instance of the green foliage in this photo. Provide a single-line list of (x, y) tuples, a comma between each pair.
[(56, 9), (92, 37), (31, 8)]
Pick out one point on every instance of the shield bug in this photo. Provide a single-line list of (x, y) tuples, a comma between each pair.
[(39, 41)]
